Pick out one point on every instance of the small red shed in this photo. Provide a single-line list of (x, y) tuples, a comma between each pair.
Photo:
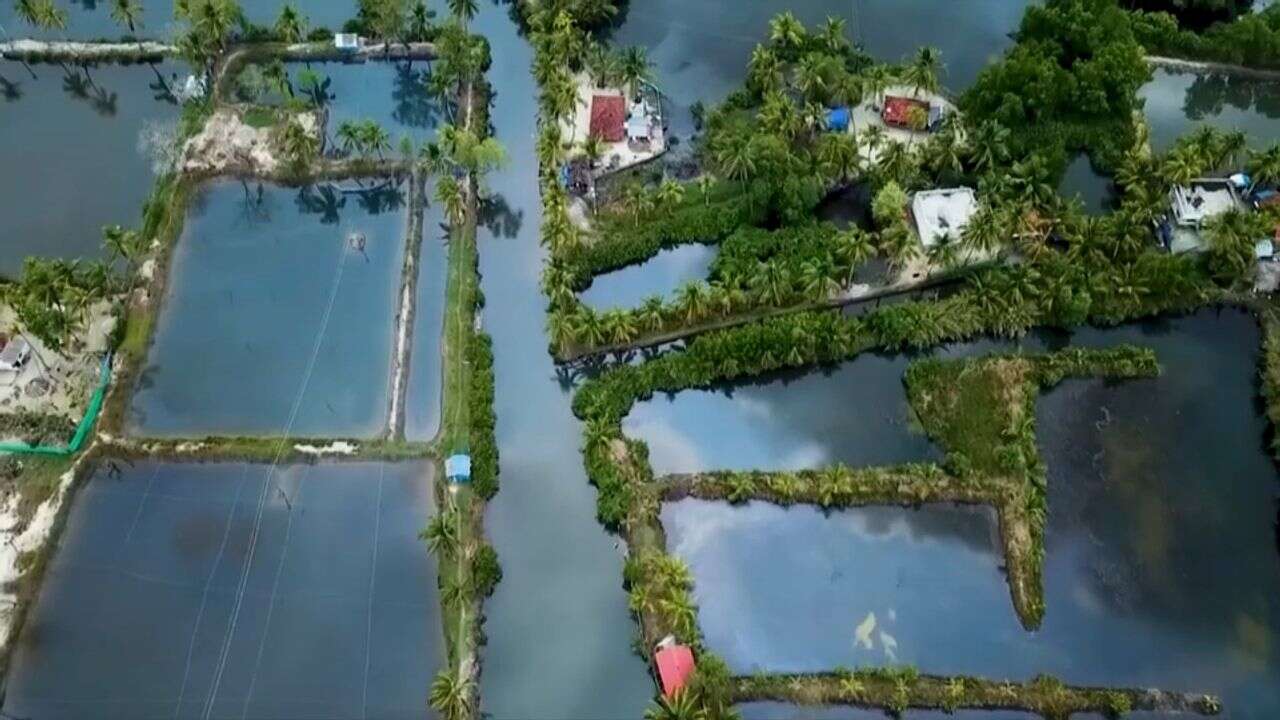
[(897, 110), (675, 665), (608, 117)]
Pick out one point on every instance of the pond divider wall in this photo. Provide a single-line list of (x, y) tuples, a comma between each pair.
[(404, 321)]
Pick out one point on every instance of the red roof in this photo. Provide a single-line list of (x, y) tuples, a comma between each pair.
[(897, 110), (675, 664), (608, 117)]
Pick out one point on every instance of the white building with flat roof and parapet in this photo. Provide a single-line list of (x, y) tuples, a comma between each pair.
[(942, 212)]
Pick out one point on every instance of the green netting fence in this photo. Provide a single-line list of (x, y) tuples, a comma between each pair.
[(82, 430)]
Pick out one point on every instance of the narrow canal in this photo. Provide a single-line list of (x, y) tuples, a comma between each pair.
[(560, 635)]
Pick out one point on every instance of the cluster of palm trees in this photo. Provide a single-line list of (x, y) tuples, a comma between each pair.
[(363, 139), (660, 587), (52, 297), (41, 14), (210, 28)]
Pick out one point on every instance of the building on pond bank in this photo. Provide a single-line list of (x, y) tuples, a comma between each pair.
[(942, 213)]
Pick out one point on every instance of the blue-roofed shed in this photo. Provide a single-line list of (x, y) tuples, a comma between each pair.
[(457, 468), (838, 119)]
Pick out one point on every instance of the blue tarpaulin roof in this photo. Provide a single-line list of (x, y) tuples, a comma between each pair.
[(458, 468), (838, 119)]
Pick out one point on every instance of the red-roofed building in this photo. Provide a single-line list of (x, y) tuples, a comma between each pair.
[(897, 110), (675, 665), (608, 118)]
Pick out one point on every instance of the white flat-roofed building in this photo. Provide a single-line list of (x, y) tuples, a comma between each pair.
[(944, 212)]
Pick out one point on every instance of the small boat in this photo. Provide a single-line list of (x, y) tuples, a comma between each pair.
[(356, 240)]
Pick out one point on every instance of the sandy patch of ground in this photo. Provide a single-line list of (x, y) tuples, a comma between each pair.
[(54, 383), (226, 143), (17, 539)]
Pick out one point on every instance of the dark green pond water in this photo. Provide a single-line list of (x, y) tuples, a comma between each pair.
[(139, 617), (1177, 102), (1161, 569), (259, 274), (72, 155)]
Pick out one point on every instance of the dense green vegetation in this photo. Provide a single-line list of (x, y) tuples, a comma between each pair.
[(1250, 39)]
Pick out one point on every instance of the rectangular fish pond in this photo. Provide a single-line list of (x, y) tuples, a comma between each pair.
[(59, 188), (393, 94), (1161, 566), (231, 590), (274, 321)]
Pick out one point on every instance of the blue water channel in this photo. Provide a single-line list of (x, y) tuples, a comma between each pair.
[(1161, 568), (230, 590), (74, 154), (272, 322)]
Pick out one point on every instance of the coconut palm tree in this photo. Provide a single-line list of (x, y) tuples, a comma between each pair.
[(786, 32), (349, 137), (291, 26), (832, 35), (420, 25), (680, 706), (299, 145), (442, 533), (634, 68), (669, 193), (451, 695), (652, 313), (464, 10), (764, 70), (838, 156), (922, 73), (122, 244), (1264, 166), (875, 80), (128, 14), (277, 77), (449, 195), (693, 300), (374, 138)]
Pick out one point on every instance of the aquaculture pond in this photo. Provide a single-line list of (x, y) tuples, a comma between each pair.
[(558, 629), (700, 50), (1177, 102), (275, 319), (1161, 567), (59, 188), (91, 19), (231, 590), (661, 275), (393, 94), (856, 413)]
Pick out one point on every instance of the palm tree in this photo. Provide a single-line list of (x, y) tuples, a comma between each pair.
[(593, 149), (349, 137), (464, 10), (737, 162), (277, 77), (420, 26), (838, 155), (449, 195), (694, 300), (299, 145), (832, 34), (127, 13), (442, 534), (375, 138), (121, 244), (1264, 166), (634, 69), (764, 71), (875, 80), (669, 193), (922, 73), (451, 695), (652, 313), (786, 32), (810, 77), (290, 27), (680, 706)]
